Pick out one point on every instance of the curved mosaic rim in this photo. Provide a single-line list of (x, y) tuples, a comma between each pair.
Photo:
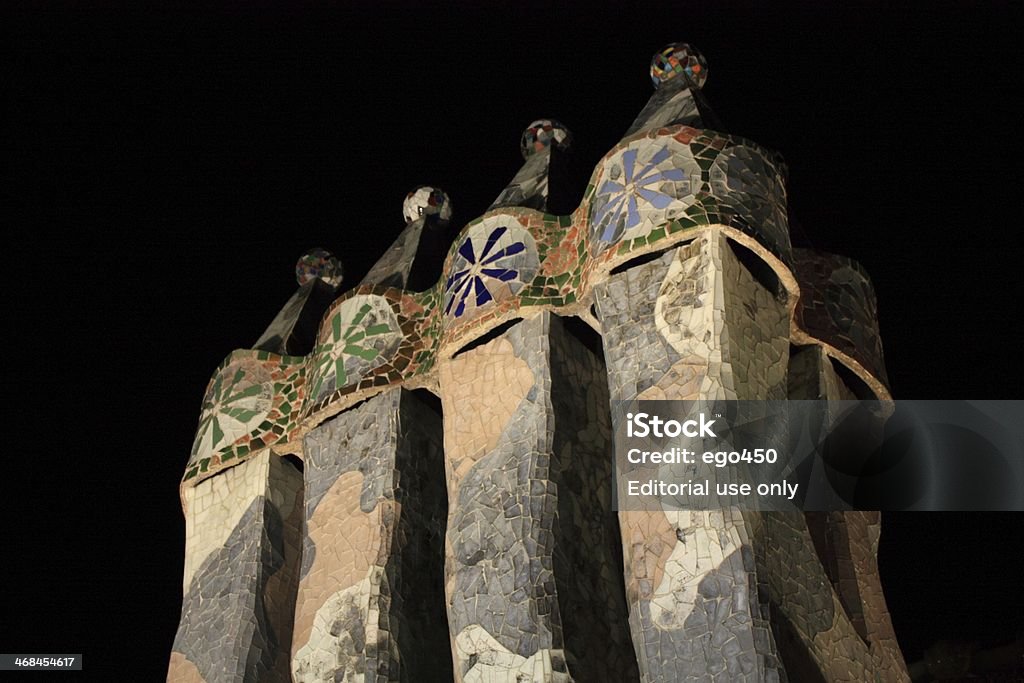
[(651, 192)]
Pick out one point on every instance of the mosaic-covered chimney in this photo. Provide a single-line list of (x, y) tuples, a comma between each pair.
[(412, 480)]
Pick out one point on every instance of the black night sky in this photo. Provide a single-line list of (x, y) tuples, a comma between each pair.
[(163, 169)]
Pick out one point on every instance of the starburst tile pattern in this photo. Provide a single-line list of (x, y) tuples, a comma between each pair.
[(235, 404), (640, 188), (730, 203), (250, 404), (495, 259), (407, 350), (362, 333)]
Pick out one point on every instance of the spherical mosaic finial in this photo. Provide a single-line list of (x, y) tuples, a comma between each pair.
[(319, 263), (427, 201), (679, 58), (541, 134)]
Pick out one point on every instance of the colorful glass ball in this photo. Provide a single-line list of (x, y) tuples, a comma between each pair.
[(676, 59), (541, 134), (318, 263), (427, 201)]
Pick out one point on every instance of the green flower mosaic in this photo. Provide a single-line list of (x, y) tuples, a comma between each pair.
[(235, 404), (362, 334)]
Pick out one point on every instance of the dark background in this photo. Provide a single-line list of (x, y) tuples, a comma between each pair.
[(163, 169)]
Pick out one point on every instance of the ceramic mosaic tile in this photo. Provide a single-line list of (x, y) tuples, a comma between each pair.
[(494, 260), (370, 597), (319, 264), (542, 134), (514, 462), (491, 554), (837, 306), (392, 270), (426, 201), (243, 546), (679, 59), (250, 405), (651, 191), (681, 327)]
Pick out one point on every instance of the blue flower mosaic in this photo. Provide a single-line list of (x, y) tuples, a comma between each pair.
[(481, 270), (620, 203)]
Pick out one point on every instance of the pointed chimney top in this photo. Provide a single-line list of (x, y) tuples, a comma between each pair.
[(679, 58)]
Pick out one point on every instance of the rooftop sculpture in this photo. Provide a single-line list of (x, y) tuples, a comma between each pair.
[(405, 485)]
